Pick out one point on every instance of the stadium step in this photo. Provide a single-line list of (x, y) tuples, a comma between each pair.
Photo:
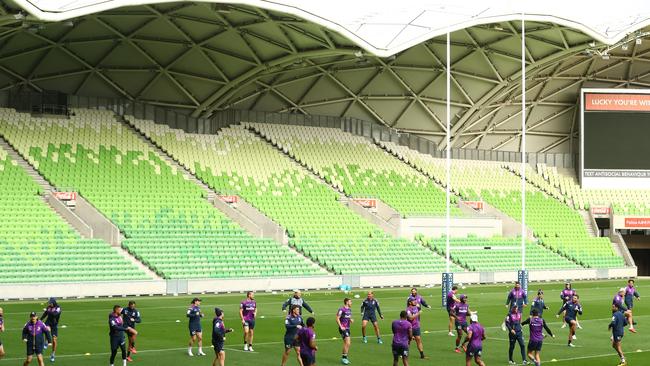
[(309, 260), (372, 217), (620, 247), (66, 214), (511, 227), (419, 171), (495, 212), (246, 222), (165, 156), (79, 225), (589, 223), (551, 192), (125, 253), (253, 221), (16, 156), (303, 167)]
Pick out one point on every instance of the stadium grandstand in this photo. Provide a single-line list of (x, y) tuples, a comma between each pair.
[(191, 147)]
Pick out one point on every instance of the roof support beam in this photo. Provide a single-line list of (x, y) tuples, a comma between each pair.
[(355, 96), (215, 100), (510, 84), (23, 80), (554, 144), (84, 63)]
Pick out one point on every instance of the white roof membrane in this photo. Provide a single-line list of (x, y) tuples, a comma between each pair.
[(386, 27)]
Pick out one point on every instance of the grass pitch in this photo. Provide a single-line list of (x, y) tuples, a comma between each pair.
[(163, 334)]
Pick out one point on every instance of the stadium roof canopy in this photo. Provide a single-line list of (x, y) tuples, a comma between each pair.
[(378, 60)]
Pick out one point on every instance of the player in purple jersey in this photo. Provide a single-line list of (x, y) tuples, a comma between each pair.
[(515, 335), (566, 295), (307, 339), (537, 326), (631, 294), (619, 300), (413, 316), (451, 301), (475, 338), (2, 330), (460, 312), (419, 300), (34, 334), (402, 334), (344, 321), (248, 313), (517, 296), (116, 331)]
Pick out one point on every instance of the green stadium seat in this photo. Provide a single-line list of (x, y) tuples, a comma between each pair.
[(36, 245), (238, 162), (167, 222), (557, 226)]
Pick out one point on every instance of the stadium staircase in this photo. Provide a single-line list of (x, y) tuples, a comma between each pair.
[(256, 223), (590, 224), (556, 226), (37, 246), (319, 225), (283, 138), (243, 213), (28, 168), (357, 167), (59, 208), (511, 226), (384, 223), (618, 242), (167, 223), (83, 228), (321, 140)]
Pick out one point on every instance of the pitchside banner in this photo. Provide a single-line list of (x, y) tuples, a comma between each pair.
[(447, 284), (615, 130), (522, 277)]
